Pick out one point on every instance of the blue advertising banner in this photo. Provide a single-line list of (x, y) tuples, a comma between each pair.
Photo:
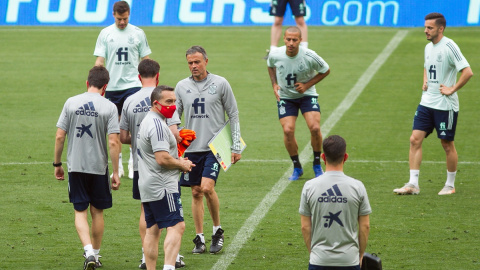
[(390, 13)]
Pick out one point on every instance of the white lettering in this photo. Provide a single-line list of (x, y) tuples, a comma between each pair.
[(346, 12), (238, 15), (473, 16), (83, 16), (325, 12), (44, 14), (159, 11), (382, 11), (186, 15), (13, 8), (258, 15)]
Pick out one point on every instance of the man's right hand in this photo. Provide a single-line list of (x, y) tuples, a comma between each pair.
[(186, 165)]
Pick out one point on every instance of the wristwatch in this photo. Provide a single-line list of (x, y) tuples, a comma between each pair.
[(57, 164)]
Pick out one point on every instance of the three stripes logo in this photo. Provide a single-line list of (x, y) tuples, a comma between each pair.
[(332, 195), (87, 109), (143, 106)]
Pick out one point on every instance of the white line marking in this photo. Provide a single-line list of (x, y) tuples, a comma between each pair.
[(259, 213), (350, 160)]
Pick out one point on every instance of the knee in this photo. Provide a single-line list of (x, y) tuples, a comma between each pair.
[(448, 146), (289, 131), (208, 190), (415, 141), (315, 130), (197, 192)]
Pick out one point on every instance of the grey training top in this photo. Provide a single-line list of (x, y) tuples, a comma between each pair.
[(88, 118), (134, 110), (205, 103), (334, 202), (154, 180)]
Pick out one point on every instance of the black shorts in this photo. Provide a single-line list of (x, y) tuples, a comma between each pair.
[(119, 97), (445, 122), (85, 189), (135, 190), (278, 8), (166, 212), (290, 107), (206, 165)]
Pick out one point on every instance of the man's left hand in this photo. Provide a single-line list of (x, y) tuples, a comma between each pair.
[(236, 157), (445, 90)]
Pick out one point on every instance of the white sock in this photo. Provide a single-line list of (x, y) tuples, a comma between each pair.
[(215, 229), (89, 250), (202, 237), (168, 267), (120, 162), (450, 179), (414, 177), (273, 47), (304, 44), (143, 256), (97, 252)]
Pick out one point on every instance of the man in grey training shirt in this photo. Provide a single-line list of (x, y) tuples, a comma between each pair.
[(158, 168), (205, 98), (135, 108), (334, 211), (87, 119)]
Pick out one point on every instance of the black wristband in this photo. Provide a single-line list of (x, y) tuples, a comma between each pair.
[(57, 164)]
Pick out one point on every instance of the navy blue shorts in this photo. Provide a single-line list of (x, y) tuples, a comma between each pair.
[(290, 107), (85, 189), (445, 122), (166, 212), (318, 267), (206, 165), (119, 97), (297, 6), (135, 190)]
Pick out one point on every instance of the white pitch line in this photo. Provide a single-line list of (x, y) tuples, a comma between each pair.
[(350, 160), (259, 213)]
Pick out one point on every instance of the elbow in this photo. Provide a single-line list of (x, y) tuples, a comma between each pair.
[(114, 143)]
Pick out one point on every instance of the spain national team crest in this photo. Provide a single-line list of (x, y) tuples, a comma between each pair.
[(212, 89), (439, 58), (302, 67), (131, 40)]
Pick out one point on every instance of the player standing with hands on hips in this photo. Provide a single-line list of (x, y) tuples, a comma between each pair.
[(294, 71), (205, 98), (439, 106)]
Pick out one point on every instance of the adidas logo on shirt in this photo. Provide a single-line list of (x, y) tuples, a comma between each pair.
[(332, 195), (143, 106), (87, 109)]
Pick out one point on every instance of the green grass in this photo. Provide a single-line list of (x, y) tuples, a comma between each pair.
[(41, 67)]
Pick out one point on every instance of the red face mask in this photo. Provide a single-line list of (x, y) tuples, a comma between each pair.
[(166, 111)]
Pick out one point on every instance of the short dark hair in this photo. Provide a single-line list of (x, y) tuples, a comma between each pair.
[(98, 77), (157, 92), (148, 68), (195, 49), (334, 148), (438, 17), (121, 7), (294, 29)]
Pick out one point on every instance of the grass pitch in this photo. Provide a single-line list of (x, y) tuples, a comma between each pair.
[(41, 67)]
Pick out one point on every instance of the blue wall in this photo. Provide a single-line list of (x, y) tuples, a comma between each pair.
[(395, 13)]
